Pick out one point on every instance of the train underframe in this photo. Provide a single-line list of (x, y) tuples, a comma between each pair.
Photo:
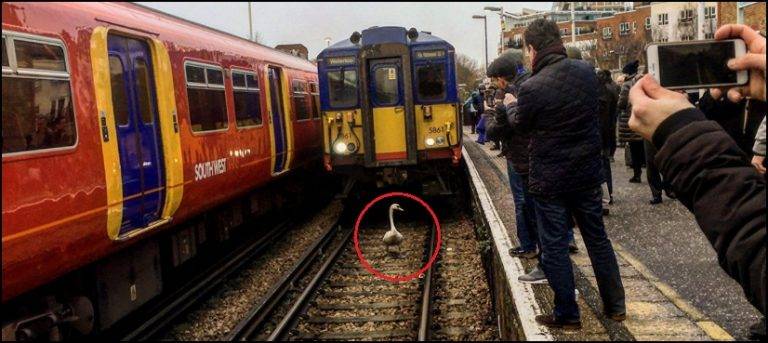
[(95, 297)]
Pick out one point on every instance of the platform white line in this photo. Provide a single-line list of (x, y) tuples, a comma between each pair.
[(522, 294)]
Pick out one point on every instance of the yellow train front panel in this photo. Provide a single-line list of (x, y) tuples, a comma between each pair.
[(437, 129), (389, 133)]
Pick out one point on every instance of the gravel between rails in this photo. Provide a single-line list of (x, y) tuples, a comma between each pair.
[(372, 248), (462, 300), (215, 318)]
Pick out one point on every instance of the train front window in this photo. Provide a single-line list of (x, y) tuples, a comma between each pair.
[(386, 86), (430, 80), (342, 88)]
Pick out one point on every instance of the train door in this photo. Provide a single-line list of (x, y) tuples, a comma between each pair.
[(388, 109), (277, 120), (138, 131)]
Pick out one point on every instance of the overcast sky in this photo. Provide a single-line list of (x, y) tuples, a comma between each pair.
[(309, 23)]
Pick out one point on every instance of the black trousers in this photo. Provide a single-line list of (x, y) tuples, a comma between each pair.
[(652, 171), (637, 151)]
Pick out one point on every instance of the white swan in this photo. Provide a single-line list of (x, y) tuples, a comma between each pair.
[(393, 237)]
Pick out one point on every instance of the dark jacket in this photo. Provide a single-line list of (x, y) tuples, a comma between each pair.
[(713, 178), (558, 106), (608, 101), (514, 144), (478, 99), (625, 111), (740, 120)]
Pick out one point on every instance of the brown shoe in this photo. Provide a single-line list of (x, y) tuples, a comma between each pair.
[(618, 317), (549, 320)]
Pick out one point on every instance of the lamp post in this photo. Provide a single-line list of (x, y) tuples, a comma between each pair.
[(501, 15), (485, 35), (250, 23)]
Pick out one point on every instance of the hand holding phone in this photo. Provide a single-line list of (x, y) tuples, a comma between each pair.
[(753, 60)]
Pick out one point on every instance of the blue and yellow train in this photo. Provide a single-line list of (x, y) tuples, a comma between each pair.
[(390, 108)]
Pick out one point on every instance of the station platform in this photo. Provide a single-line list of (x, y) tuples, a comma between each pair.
[(655, 311)]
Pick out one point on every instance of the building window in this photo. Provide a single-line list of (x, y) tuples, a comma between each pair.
[(607, 33), (300, 95), (709, 12), (38, 113), (686, 37), (647, 23), (709, 35), (686, 15), (245, 86), (205, 95), (563, 32), (624, 28), (663, 18)]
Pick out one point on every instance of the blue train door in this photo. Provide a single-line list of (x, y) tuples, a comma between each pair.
[(138, 131), (277, 119)]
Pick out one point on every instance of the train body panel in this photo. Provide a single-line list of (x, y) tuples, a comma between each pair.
[(68, 206)]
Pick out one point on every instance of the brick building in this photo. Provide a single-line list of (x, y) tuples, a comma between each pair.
[(754, 14), (622, 38)]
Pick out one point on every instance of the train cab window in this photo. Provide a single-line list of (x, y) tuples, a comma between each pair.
[(342, 88), (205, 94), (386, 92), (300, 96), (430, 80), (38, 112), (314, 92), (145, 93), (247, 99), (119, 99)]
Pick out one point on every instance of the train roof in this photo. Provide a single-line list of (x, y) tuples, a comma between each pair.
[(176, 31), (384, 34)]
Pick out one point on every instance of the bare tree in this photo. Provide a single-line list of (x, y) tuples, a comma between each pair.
[(468, 72)]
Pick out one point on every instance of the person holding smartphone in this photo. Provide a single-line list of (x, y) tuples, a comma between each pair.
[(710, 175)]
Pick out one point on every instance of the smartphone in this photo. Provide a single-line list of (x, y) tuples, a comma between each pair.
[(696, 64)]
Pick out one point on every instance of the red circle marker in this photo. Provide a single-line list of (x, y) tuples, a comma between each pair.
[(396, 278)]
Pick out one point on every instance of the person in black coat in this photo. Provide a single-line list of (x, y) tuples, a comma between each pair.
[(740, 120), (707, 170), (608, 101), (634, 143), (558, 107)]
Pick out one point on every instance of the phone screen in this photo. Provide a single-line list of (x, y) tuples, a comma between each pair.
[(696, 64)]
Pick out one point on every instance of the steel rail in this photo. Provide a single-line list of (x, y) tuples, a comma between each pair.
[(301, 302), (257, 316), (188, 295), (425, 322)]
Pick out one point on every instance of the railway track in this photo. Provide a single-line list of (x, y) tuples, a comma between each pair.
[(342, 300)]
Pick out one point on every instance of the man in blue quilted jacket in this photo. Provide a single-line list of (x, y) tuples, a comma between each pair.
[(558, 105)]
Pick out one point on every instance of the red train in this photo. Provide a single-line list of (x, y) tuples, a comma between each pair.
[(120, 122)]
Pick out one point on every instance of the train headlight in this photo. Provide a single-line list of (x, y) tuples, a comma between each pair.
[(340, 147), (351, 147), (440, 140), (430, 141)]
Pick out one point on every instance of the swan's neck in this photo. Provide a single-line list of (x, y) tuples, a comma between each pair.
[(392, 219)]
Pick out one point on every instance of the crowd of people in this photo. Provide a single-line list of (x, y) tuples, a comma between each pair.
[(559, 125)]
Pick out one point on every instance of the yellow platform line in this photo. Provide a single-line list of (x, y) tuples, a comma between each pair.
[(713, 330)]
